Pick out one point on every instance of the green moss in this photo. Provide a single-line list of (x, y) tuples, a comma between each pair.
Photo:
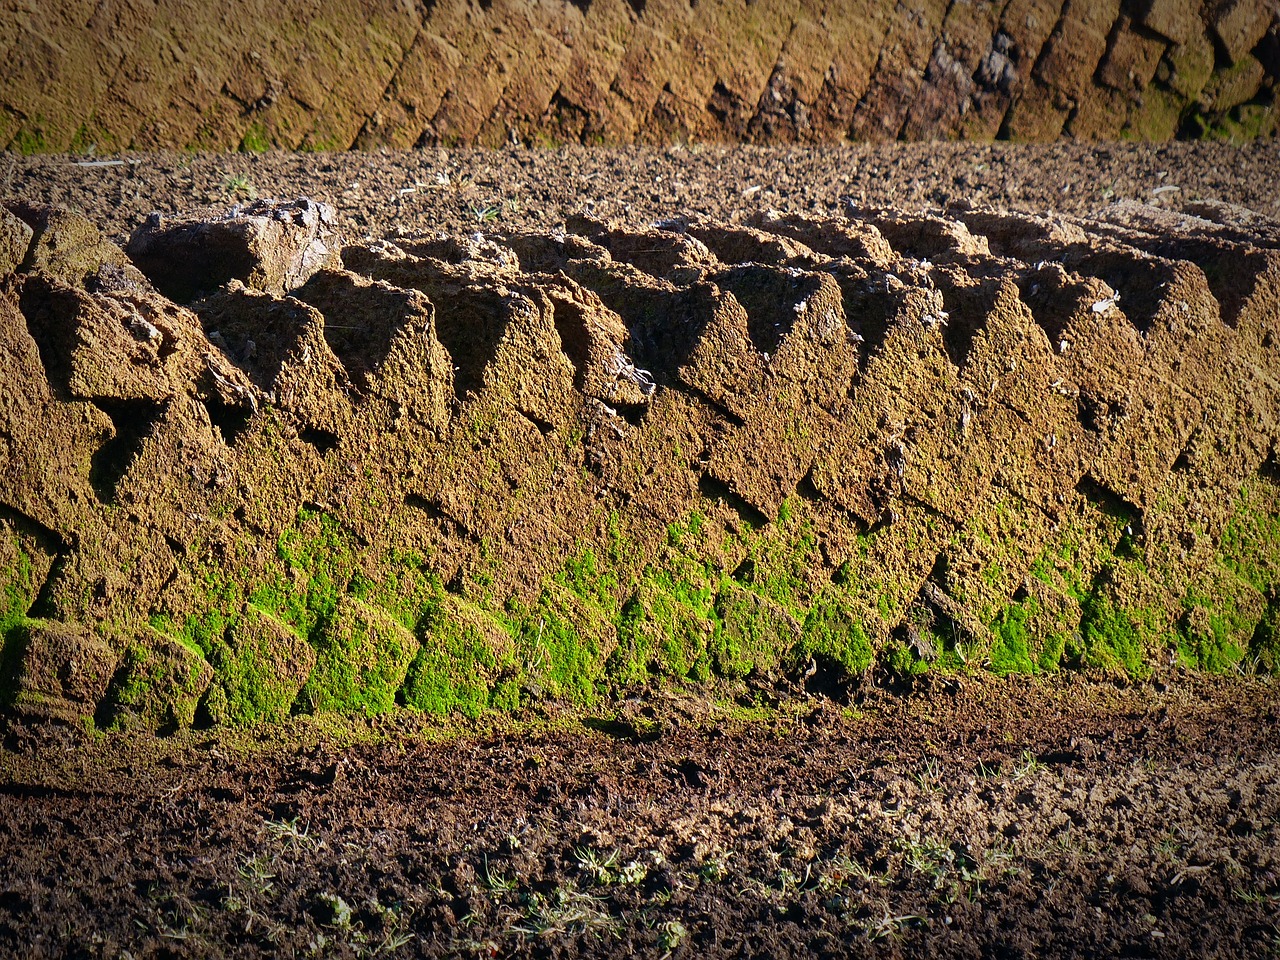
[(1214, 632), (405, 586), (256, 138), (90, 137), (13, 647), (205, 629), (362, 657), (586, 576), (157, 687), (1265, 643), (256, 671), (1157, 117), (1250, 542), (17, 588), (1012, 650), (452, 669), (317, 561), (1052, 652), (559, 641), (755, 633), (1209, 647), (667, 625), (1109, 637), (781, 559), (30, 139), (1241, 125), (447, 674), (833, 631), (900, 660)]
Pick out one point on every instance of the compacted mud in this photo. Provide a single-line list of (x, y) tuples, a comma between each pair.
[(327, 75), (854, 574), (251, 471)]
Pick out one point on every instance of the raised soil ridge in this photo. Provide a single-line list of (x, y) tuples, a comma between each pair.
[(249, 470), (325, 75)]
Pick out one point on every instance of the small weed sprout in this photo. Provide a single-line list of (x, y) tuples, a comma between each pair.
[(889, 925), (632, 872), (672, 935), (288, 833), (486, 214), (1169, 846), (713, 870), (256, 874), (393, 941), (788, 882), (239, 187), (598, 867), (566, 910), (1257, 898), (843, 870), (339, 910), (929, 857), (929, 779), (496, 882), (1029, 765)]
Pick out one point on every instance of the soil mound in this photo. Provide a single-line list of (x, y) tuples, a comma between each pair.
[(466, 472), (324, 75)]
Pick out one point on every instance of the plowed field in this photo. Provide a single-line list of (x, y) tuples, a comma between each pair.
[(852, 542)]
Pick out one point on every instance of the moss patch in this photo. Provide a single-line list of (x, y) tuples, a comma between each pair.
[(256, 138), (259, 669), (832, 631), (158, 685), (463, 651), (317, 559), (1012, 651), (1109, 638), (362, 657)]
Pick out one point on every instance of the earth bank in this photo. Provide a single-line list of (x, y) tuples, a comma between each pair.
[(297, 75), (253, 471)]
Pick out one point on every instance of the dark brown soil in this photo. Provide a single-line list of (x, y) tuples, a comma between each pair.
[(968, 818)]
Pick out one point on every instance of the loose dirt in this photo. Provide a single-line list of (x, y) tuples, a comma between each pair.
[(968, 818), (466, 190)]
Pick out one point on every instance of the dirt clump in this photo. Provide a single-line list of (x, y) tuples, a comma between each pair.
[(270, 246)]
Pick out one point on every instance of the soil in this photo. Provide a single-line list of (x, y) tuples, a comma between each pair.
[(465, 190), (321, 75), (227, 506), (965, 818)]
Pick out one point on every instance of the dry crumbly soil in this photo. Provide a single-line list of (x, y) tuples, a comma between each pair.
[(969, 817), (465, 190)]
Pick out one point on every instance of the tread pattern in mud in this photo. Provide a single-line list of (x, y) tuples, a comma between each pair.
[(324, 76), (460, 473)]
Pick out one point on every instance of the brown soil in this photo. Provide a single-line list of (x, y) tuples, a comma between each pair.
[(465, 190), (210, 490), (324, 75), (969, 819)]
